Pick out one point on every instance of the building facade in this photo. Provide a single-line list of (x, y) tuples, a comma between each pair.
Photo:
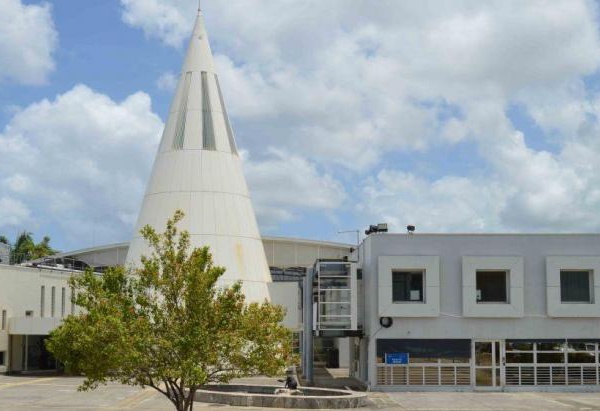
[(492, 312), (36, 297), (33, 302)]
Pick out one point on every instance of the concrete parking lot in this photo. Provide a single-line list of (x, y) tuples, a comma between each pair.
[(60, 393)]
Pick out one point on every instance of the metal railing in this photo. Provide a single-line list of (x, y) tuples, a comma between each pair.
[(430, 374), (552, 374)]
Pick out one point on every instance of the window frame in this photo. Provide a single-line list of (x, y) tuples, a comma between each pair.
[(590, 284), (422, 297), (506, 285), (514, 266), (431, 285), (554, 305)]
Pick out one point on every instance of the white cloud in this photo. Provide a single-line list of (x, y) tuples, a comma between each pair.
[(444, 205), (283, 185), (362, 80), (350, 84), (13, 213), (167, 82), (80, 162), (167, 20), (28, 41), (526, 189)]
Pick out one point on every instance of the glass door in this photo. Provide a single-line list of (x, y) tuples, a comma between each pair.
[(489, 364)]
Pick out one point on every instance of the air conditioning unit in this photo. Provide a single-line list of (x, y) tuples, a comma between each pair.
[(415, 295), (478, 295)]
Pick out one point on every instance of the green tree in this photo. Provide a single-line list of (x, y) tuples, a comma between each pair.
[(26, 249), (22, 248), (167, 325), (42, 249), (3, 240)]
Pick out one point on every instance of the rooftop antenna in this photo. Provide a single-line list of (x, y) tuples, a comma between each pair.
[(199, 6)]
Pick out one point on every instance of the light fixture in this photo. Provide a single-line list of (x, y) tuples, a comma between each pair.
[(386, 322)]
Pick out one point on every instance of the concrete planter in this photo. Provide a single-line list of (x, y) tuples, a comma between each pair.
[(263, 396)]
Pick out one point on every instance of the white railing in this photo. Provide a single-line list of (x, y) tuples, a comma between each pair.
[(552, 374), (424, 374)]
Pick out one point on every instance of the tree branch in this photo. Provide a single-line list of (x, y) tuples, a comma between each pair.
[(157, 388), (175, 399)]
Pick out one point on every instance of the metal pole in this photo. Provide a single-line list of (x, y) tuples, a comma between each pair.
[(307, 353), (357, 241), (26, 352)]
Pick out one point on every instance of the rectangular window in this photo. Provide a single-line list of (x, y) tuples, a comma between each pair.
[(42, 300), (4, 319), (2, 358), (492, 286), (52, 301), (407, 286), (576, 286), (426, 350), (62, 302)]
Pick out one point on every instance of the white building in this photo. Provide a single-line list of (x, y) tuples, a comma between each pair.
[(32, 303), (35, 298), (471, 311)]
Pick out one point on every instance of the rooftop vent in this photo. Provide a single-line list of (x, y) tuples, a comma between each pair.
[(379, 228)]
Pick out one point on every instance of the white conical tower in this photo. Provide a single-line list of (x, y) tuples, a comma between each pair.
[(197, 170)]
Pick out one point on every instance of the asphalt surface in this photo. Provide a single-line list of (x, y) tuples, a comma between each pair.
[(35, 393)]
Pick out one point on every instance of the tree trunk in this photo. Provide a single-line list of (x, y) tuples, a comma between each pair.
[(189, 400)]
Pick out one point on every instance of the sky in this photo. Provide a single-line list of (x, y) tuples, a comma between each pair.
[(462, 116)]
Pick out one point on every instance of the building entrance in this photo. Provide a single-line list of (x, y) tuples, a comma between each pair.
[(488, 364)]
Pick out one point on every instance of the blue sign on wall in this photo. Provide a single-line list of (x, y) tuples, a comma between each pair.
[(396, 358)]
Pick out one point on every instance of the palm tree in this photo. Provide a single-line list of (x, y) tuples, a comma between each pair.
[(23, 248), (26, 249), (42, 249)]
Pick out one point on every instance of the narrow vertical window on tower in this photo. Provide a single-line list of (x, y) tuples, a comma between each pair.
[(226, 118), (63, 297), (52, 301), (179, 137), (208, 132), (42, 300)]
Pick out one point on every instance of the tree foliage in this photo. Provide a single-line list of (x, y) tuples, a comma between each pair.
[(25, 248), (168, 325)]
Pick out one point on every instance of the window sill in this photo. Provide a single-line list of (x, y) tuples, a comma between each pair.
[(493, 302), (408, 302), (577, 302)]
